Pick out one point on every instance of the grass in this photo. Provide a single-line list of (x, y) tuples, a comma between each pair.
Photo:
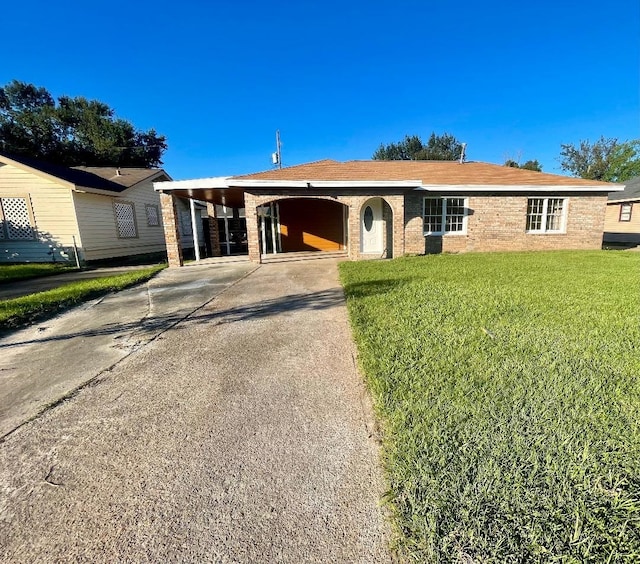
[(21, 311), (507, 388), (13, 272)]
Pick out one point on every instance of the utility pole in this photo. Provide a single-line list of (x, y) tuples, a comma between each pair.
[(276, 157)]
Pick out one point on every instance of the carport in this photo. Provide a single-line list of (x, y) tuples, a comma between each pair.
[(214, 191), (284, 224)]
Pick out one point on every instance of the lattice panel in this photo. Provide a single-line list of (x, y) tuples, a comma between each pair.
[(16, 218), (153, 218), (125, 218)]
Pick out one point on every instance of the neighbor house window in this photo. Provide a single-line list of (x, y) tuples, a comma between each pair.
[(444, 215), (546, 215), (125, 214), (16, 219), (153, 215), (625, 212)]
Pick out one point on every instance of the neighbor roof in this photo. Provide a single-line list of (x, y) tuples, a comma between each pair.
[(630, 192), (428, 172), (98, 178), (125, 177)]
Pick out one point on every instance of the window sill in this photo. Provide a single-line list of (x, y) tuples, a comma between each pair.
[(545, 232), (452, 234)]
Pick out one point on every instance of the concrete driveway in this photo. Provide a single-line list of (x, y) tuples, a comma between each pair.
[(240, 433)]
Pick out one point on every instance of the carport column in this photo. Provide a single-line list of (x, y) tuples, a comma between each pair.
[(214, 235), (253, 239), (171, 233)]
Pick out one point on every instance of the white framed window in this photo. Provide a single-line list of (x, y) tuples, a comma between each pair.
[(16, 219), (153, 215), (546, 215), (444, 215), (625, 212), (125, 216)]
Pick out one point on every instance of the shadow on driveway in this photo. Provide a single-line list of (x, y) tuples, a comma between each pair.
[(286, 304)]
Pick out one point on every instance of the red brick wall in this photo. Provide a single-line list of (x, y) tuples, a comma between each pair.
[(171, 233), (497, 223), (354, 201)]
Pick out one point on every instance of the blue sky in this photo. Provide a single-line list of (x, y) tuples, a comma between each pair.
[(218, 78)]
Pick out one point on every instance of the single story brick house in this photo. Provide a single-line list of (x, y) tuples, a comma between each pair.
[(47, 212), (375, 209), (622, 219)]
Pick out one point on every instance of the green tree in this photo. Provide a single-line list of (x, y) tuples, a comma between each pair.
[(625, 162), (75, 131), (528, 165), (606, 159), (443, 147)]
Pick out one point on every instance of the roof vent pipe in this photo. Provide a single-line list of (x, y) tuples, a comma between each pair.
[(462, 151), (118, 173)]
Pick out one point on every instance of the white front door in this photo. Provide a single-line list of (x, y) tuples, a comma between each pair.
[(371, 227)]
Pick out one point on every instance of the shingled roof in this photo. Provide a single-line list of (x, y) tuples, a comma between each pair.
[(111, 179), (630, 192), (428, 172)]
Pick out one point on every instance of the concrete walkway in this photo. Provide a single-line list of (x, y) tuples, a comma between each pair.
[(241, 433)]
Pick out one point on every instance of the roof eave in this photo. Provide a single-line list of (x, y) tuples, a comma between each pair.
[(511, 188), (196, 183), (99, 191)]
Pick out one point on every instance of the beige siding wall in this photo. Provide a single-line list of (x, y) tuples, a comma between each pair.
[(97, 223), (53, 215), (498, 223), (622, 231)]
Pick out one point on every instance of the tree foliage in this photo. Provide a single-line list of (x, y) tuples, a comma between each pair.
[(528, 165), (606, 159), (73, 131), (443, 147)]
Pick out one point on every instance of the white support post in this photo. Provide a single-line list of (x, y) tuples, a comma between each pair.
[(263, 231), (194, 228), (226, 231), (273, 228), (279, 230)]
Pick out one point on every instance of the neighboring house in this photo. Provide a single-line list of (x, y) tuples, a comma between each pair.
[(622, 220), (371, 209), (48, 211)]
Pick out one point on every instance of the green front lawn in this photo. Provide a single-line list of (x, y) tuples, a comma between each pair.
[(21, 311), (507, 387), (12, 272)]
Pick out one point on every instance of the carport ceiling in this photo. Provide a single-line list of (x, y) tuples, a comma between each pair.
[(232, 197)]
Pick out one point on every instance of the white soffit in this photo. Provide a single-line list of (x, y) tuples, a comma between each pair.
[(513, 188), (194, 184)]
